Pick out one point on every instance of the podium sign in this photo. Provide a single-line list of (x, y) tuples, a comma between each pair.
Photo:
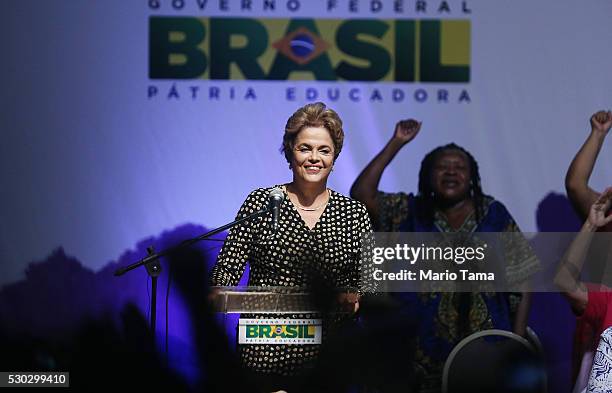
[(279, 303), (279, 331)]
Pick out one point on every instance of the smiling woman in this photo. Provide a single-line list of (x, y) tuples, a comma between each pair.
[(319, 241), (314, 151), (311, 144)]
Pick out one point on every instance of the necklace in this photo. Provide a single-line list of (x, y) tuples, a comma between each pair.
[(312, 209)]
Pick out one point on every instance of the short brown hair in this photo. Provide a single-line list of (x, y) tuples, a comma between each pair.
[(313, 115)]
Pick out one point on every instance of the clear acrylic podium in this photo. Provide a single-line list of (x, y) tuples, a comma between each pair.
[(275, 300), (266, 312)]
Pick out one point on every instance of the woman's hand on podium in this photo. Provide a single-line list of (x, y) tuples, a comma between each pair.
[(345, 300), (212, 296)]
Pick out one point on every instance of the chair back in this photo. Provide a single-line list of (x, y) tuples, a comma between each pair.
[(494, 361)]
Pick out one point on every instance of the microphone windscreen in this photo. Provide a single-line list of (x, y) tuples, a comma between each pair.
[(277, 193)]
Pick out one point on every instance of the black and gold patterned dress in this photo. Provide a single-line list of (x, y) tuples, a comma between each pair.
[(293, 257)]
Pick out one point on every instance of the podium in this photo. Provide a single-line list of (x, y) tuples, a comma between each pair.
[(272, 307), (276, 300)]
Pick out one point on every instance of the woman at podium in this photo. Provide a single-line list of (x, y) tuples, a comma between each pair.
[(316, 239)]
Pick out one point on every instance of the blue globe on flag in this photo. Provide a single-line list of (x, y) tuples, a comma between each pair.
[(302, 45)]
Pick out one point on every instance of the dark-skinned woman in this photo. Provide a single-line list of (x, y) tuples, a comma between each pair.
[(449, 199)]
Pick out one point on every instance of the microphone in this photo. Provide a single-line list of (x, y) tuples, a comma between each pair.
[(275, 197)]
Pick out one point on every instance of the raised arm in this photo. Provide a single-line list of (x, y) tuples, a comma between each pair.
[(579, 172), (365, 187), (568, 274)]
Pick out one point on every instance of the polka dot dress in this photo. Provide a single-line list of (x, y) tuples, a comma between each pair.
[(295, 256)]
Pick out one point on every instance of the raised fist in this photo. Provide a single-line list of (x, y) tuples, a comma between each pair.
[(601, 122), (597, 215), (406, 130)]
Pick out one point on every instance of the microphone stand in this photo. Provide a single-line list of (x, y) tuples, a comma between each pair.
[(151, 261)]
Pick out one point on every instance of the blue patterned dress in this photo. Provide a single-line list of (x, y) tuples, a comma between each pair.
[(443, 320)]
